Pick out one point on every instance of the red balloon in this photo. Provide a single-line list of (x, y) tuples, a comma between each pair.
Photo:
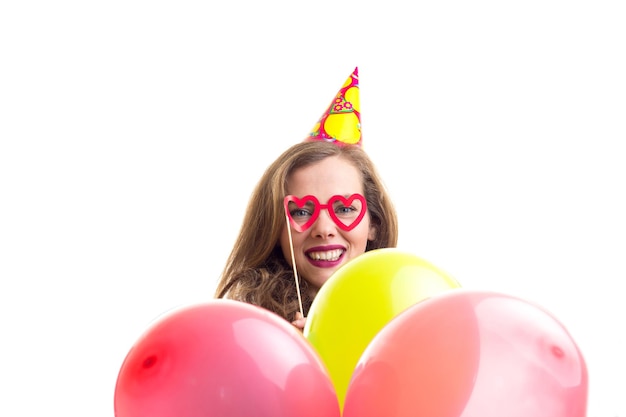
[(223, 358), (470, 354)]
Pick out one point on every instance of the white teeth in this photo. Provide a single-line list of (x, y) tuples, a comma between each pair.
[(331, 255)]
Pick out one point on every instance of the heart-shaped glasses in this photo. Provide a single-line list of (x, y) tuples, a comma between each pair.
[(347, 213)]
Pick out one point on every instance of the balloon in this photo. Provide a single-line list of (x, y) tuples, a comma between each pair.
[(470, 354), (223, 358), (359, 299)]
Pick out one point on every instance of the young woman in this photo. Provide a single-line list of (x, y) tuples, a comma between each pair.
[(319, 205)]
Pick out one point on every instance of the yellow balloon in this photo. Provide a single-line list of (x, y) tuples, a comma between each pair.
[(359, 299)]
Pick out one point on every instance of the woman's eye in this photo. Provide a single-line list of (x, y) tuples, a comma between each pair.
[(300, 213), (345, 210)]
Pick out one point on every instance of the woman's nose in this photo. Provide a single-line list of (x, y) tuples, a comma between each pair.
[(324, 226)]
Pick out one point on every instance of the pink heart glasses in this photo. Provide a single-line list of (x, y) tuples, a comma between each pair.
[(347, 213)]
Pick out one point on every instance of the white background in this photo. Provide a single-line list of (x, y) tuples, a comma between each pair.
[(132, 133)]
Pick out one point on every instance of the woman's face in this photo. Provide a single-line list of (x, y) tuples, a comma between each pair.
[(324, 246)]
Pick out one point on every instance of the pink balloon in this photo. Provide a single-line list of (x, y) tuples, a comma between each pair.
[(467, 353), (223, 358)]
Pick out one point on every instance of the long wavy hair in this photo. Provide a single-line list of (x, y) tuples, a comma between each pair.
[(256, 271)]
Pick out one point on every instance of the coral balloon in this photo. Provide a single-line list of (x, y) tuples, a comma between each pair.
[(360, 298), (470, 354), (223, 358)]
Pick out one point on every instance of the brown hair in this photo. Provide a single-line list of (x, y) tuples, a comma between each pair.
[(256, 271)]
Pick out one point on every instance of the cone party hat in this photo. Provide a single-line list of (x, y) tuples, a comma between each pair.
[(341, 122)]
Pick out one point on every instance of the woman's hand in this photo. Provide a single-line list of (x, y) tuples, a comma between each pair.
[(300, 321)]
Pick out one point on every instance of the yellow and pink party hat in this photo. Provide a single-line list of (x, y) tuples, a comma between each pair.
[(341, 122)]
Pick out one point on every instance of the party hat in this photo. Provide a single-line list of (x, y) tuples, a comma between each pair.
[(341, 122)]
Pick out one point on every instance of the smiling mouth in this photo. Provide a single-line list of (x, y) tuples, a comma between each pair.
[(331, 255)]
